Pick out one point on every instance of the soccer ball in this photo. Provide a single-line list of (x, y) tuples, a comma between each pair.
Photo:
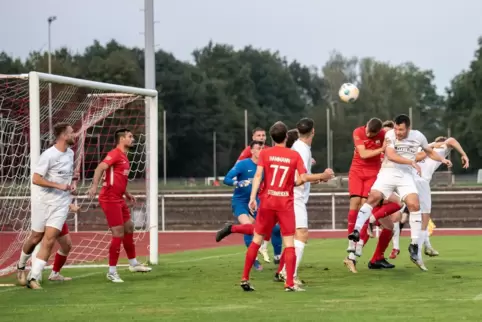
[(348, 93)]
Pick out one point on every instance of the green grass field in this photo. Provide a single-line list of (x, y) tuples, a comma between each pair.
[(203, 286)]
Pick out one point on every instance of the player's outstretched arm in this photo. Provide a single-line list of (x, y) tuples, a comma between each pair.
[(362, 151), (453, 143), (435, 156), (392, 155)]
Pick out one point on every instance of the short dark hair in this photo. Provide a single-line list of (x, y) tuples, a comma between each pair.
[(440, 139), (120, 133), (278, 132), (402, 119), (258, 129), (374, 125), (60, 128), (253, 143), (389, 123), (293, 135), (305, 126)]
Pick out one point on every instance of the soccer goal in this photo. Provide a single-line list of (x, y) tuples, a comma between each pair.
[(30, 104)]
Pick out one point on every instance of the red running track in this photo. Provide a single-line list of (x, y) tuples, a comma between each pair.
[(170, 242)]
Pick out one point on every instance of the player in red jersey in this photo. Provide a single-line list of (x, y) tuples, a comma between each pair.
[(258, 135), (276, 168), (369, 141), (111, 200)]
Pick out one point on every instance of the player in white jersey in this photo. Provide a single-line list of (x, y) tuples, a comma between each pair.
[(442, 146), (396, 175), (52, 180), (302, 145)]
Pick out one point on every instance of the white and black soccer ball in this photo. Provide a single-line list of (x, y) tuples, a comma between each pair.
[(348, 93)]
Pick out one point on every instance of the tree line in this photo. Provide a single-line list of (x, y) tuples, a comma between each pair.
[(211, 94)]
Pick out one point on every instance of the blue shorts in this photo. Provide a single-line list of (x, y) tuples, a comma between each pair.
[(240, 209)]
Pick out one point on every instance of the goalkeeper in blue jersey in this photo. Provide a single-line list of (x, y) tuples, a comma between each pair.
[(241, 176)]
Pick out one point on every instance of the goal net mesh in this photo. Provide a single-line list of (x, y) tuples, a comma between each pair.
[(95, 115)]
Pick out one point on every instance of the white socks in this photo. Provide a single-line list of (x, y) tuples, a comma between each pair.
[(421, 240), (37, 268), (415, 225), (264, 245), (396, 235), (133, 262), (427, 242), (112, 269), (299, 249), (363, 214), (22, 262)]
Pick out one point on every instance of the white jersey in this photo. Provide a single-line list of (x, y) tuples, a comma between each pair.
[(55, 166), (429, 166), (406, 148), (303, 192)]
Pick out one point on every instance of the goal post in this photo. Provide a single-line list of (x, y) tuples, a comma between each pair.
[(94, 109)]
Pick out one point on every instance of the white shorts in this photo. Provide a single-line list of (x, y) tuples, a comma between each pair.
[(389, 181), (301, 215), (45, 215), (424, 195)]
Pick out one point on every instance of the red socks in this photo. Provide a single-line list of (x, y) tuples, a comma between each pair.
[(383, 242), (129, 246), (352, 214), (59, 262), (246, 229), (290, 260), (250, 258), (386, 210), (114, 250), (364, 234)]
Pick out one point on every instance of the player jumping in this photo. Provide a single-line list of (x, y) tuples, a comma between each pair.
[(276, 168), (111, 199), (369, 141), (396, 174), (52, 178)]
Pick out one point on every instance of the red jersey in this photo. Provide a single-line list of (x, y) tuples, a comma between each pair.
[(246, 154), (279, 166), (116, 176), (373, 143)]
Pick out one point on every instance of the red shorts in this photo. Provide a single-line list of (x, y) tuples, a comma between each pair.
[(360, 183), (116, 213), (65, 230), (266, 219)]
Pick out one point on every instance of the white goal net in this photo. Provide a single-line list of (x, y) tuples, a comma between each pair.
[(29, 105)]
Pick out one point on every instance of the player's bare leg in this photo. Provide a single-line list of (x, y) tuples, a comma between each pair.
[(416, 232), (48, 241), (130, 248), (65, 243), (27, 250)]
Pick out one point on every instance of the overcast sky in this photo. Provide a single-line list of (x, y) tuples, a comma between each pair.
[(435, 34)]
